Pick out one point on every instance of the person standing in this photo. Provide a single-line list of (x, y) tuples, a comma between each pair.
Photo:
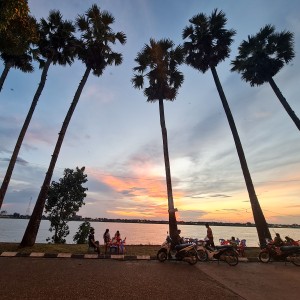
[(106, 238), (210, 236)]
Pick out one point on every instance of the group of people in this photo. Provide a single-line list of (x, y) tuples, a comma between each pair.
[(116, 242), (209, 237)]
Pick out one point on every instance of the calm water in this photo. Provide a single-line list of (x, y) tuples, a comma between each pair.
[(12, 230)]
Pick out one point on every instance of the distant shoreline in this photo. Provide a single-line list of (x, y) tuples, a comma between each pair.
[(139, 221)]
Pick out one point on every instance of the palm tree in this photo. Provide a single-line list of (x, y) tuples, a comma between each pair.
[(21, 62), (210, 44), (56, 45), (158, 62), (19, 55), (95, 52), (262, 57)]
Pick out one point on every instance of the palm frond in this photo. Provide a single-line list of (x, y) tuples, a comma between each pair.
[(138, 81)]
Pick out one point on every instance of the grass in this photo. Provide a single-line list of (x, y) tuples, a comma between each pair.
[(82, 249)]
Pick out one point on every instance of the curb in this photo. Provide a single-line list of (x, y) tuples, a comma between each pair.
[(80, 256), (95, 256)]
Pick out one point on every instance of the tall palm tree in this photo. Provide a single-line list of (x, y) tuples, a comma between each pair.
[(158, 62), (262, 56), (21, 62), (209, 45), (56, 45), (94, 50)]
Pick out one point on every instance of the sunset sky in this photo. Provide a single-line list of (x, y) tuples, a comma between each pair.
[(116, 134)]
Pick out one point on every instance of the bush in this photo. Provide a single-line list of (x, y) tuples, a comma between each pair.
[(81, 236)]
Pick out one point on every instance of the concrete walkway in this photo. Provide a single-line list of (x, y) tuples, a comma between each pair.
[(256, 281)]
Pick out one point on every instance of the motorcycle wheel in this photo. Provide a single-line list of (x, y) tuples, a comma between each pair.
[(202, 255), (162, 255), (264, 257), (295, 259), (192, 258), (230, 257)]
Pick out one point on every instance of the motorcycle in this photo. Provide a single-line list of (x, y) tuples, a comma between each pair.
[(225, 253), (279, 253), (185, 252)]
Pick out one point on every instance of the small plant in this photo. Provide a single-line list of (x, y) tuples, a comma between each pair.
[(81, 235)]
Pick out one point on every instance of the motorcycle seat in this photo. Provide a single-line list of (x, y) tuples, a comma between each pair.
[(289, 248), (181, 246), (223, 246)]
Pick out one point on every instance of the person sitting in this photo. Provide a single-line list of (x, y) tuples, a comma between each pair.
[(278, 241), (241, 247), (177, 240), (92, 243), (116, 241), (234, 242)]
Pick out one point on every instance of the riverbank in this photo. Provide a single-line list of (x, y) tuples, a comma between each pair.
[(131, 250)]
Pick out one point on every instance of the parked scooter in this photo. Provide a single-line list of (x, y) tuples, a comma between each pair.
[(279, 253), (225, 253), (185, 252)]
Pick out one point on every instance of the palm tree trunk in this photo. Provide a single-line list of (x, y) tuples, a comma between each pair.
[(284, 103), (7, 67), (35, 219), (20, 139), (172, 217), (259, 218)]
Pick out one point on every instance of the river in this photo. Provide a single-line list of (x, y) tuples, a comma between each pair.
[(12, 230)]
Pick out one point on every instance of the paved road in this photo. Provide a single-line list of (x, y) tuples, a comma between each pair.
[(256, 281), (61, 278)]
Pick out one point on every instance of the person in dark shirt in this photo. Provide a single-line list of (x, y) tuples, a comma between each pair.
[(210, 236), (92, 243), (106, 239), (277, 240)]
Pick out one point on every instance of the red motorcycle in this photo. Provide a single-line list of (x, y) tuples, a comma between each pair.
[(280, 253)]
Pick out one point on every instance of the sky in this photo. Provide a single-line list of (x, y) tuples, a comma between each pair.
[(115, 133)]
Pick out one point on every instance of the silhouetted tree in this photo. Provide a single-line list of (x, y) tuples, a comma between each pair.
[(94, 50), (64, 200), (209, 45), (158, 63), (262, 56), (56, 45)]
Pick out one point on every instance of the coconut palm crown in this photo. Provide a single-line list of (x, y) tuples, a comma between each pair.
[(263, 55), (158, 63), (209, 41), (57, 42), (94, 48)]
